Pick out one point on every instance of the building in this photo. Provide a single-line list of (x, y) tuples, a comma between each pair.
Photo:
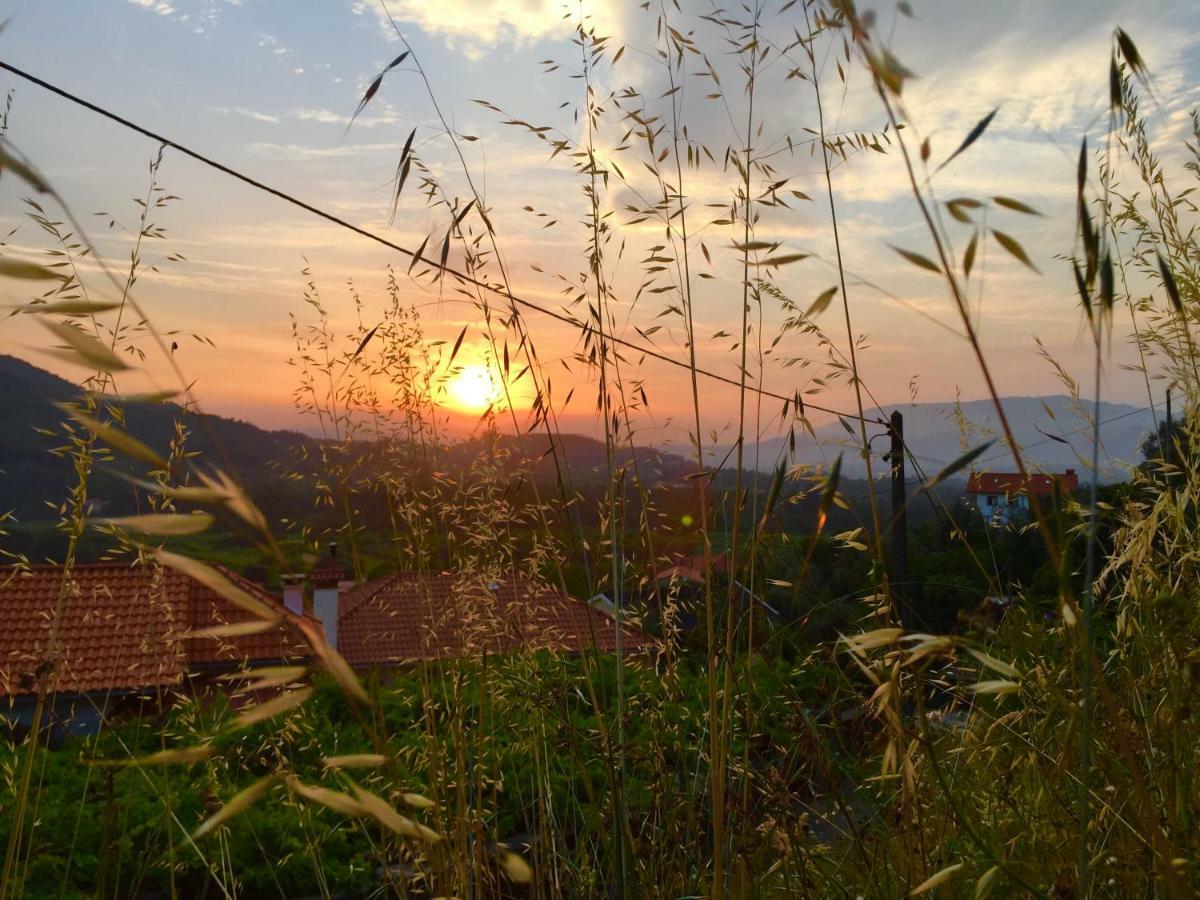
[(1003, 497), (123, 636), (690, 567), (126, 637), (684, 577), (411, 617)]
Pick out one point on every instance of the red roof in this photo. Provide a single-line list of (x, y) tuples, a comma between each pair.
[(123, 627), (1012, 483), (410, 616), (680, 573), (691, 568)]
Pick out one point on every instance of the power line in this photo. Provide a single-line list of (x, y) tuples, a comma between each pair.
[(379, 239)]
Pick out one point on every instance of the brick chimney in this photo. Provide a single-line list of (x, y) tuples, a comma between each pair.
[(328, 579)]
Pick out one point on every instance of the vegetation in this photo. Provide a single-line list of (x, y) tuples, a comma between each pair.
[(1047, 746)]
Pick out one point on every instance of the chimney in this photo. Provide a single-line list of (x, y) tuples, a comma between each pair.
[(327, 580), (293, 593)]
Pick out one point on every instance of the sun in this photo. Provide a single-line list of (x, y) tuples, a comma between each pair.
[(473, 389)]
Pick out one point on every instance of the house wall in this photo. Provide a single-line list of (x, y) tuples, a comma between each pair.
[(66, 717), (293, 593), (1000, 508)]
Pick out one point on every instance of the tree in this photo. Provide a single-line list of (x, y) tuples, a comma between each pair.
[(1171, 442)]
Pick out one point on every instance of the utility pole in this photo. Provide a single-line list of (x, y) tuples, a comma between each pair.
[(899, 567), (1167, 444)]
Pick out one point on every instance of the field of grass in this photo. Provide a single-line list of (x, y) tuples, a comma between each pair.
[(840, 750)]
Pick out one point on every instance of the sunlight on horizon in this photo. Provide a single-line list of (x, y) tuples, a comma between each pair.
[(473, 389)]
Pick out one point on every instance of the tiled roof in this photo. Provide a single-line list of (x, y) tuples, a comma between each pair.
[(410, 616), (1012, 483), (695, 561), (684, 567), (206, 609), (681, 573), (121, 627)]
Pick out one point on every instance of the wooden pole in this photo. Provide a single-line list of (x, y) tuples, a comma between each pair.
[(1167, 450), (899, 573)]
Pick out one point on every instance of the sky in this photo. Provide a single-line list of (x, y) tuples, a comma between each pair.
[(268, 87)]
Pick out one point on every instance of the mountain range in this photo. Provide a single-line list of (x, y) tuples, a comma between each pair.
[(1054, 432), (32, 476), (34, 479)]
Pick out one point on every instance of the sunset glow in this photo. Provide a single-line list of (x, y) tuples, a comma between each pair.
[(599, 448), (473, 389)]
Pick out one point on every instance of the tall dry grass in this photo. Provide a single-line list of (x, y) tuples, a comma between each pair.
[(1025, 756)]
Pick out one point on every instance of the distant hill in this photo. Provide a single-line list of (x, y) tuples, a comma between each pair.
[(31, 476), (583, 459), (1054, 431), (33, 481)]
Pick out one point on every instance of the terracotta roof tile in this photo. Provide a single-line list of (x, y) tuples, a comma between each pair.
[(408, 617), (120, 627), (1012, 483), (206, 609), (695, 561), (681, 572)]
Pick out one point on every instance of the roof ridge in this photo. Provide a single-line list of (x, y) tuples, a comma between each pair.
[(47, 567), (250, 586)]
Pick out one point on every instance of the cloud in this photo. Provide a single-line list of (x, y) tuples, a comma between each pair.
[(159, 6), (1048, 78), (200, 15), (476, 26), (245, 113), (1045, 81), (1043, 65), (328, 117), (300, 152), (322, 116), (270, 42)]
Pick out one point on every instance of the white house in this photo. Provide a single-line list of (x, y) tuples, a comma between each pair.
[(1002, 497)]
